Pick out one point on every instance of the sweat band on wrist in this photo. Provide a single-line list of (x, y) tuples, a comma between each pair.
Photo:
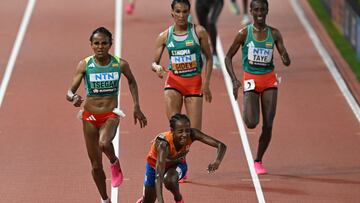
[(156, 67), (70, 94)]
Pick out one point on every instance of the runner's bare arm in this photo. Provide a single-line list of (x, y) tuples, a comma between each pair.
[(162, 148), (205, 48), (238, 41), (71, 94), (281, 47), (159, 49), (206, 139), (138, 115)]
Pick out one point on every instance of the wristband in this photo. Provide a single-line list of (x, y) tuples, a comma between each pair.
[(156, 67), (70, 94), (75, 98), (119, 112)]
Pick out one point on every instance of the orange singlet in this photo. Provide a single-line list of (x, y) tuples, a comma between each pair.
[(173, 154)]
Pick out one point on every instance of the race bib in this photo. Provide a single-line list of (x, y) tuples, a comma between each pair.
[(259, 56), (184, 64), (249, 85)]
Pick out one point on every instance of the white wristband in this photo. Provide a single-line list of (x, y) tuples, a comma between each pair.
[(70, 94), (119, 112), (156, 67)]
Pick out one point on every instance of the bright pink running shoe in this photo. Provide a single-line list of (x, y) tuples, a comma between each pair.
[(130, 8), (181, 201), (259, 168), (116, 174), (139, 200)]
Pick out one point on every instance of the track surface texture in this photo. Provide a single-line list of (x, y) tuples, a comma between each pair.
[(313, 156)]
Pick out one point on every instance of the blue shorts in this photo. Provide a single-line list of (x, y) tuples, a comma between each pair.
[(149, 181)]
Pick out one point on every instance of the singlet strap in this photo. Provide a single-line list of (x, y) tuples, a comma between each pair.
[(87, 59), (117, 59), (195, 35), (249, 33), (170, 32)]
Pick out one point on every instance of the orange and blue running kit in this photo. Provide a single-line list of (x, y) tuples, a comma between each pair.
[(185, 62), (101, 81), (175, 158), (257, 59)]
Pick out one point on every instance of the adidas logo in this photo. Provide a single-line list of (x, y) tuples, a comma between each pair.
[(92, 65), (251, 44), (91, 118), (171, 44)]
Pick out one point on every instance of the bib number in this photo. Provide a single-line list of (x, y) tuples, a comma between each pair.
[(249, 85)]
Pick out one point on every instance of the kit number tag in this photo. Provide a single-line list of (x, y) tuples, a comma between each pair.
[(249, 85)]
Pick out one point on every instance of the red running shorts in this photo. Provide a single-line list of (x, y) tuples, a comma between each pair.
[(186, 86)]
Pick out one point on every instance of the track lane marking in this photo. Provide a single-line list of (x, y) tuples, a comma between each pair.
[(117, 52), (327, 59), (16, 48), (240, 124)]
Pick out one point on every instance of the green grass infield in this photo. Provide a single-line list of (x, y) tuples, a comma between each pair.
[(345, 48)]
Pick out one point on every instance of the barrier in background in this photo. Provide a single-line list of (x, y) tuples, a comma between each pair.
[(345, 15)]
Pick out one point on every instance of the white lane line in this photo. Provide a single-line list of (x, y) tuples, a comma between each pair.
[(118, 34), (117, 52), (327, 59), (240, 124), (16, 48)]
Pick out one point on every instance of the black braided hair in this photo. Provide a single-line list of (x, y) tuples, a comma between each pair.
[(186, 2), (178, 117), (102, 30)]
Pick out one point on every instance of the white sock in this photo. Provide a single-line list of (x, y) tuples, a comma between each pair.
[(105, 201)]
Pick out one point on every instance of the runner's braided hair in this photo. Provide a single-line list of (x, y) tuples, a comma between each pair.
[(103, 31), (178, 117), (259, 1), (174, 2)]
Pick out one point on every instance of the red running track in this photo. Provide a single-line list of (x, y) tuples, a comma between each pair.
[(312, 157)]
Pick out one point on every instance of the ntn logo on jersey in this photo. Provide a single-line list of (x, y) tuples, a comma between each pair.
[(261, 51), (183, 59), (104, 76)]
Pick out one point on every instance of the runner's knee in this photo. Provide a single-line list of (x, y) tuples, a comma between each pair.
[(251, 124), (250, 120), (171, 180), (104, 145)]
